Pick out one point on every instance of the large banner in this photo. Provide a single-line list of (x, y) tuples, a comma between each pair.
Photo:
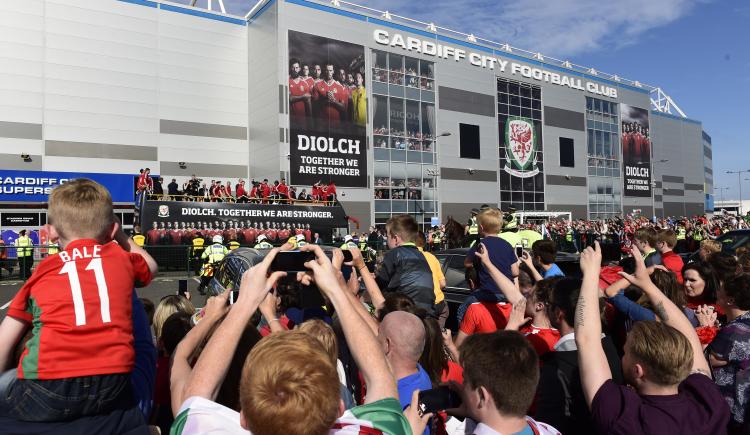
[(521, 163), (217, 214), (636, 151), (35, 186), (327, 111)]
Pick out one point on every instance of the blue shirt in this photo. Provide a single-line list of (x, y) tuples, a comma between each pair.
[(406, 386), (502, 256), (553, 271)]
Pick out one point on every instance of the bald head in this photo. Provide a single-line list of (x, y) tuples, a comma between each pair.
[(406, 335)]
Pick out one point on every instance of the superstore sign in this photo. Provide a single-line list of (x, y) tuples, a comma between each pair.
[(480, 60)]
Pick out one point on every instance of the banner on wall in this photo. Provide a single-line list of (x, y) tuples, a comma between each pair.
[(327, 112), (520, 147), (35, 186), (636, 151)]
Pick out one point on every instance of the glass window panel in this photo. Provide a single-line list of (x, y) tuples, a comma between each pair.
[(515, 100), (589, 103), (536, 114), (380, 114), (412, 119), (395, 62), (381, 154), (536, 104), (396, 78), (398, 143), (526, 112), (513, 88), (396, 111), (502, 98), (536, 93), (396, 90), (399, 206), (398, 155), (379, 59), (381, 169), (428, 121), (597, 103), (414, 157), (411, 93), (515, 111), (599, 143), (525, 91), (525, 102), (426, 69), (383, 206), (428, 96), (412, 66)]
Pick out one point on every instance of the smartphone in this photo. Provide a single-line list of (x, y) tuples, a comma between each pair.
[(347, 255), (182, 287), (291, 261), (438, 399), (519, 250)]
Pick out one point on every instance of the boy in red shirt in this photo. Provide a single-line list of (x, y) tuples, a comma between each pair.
[(79, 303), (666, 240)]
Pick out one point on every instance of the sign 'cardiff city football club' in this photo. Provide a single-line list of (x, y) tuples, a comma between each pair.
[(521, 147)]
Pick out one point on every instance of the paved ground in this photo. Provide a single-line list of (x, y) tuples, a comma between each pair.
[(160, 287)]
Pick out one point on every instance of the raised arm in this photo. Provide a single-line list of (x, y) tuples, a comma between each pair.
[(129, 245), (212, 366), (592, 360), (508, 287), (181, 371), (667, 311), (362, 342)]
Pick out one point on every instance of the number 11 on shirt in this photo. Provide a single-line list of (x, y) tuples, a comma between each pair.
[(75, 287)]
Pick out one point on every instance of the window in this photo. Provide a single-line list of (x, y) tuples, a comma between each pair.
[(567, 153), (469, 141)]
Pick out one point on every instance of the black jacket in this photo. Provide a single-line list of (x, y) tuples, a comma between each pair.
[(405, 270), (560, 400)]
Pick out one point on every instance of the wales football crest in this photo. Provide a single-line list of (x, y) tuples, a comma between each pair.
[(520, 147)]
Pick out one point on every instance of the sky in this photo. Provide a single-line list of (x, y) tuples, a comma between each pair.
[(695, 50)]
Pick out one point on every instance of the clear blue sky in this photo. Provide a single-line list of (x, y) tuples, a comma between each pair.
[(696, 50)]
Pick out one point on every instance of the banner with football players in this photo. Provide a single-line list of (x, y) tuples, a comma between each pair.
[(636, 151), (327, 111)]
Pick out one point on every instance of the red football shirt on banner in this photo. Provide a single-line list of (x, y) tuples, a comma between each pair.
[(80, 304), (328, 112), (298, 88)]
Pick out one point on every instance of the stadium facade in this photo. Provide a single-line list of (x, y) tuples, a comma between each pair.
[(413, 119)]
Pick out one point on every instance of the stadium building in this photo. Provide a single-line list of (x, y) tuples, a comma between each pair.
[(405, 116)]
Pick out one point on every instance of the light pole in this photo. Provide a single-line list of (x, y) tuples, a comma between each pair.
[(721, 193), (739, 183)]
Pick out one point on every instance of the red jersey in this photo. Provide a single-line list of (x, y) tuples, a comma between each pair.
[(241, 191), (175, 236), (265, 190), (271, 234), (485, 317), (543, 339), (308, 235), (310, 82), (153, 237), (283, 189), (230, 234), (80, 303), (283, 235), (674, 263), (330, 190), (145, 182), (228, 190), (254, 192), (327, 111), (249, 235), (298, 88)]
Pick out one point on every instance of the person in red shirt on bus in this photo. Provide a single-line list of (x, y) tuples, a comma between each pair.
[(265, 190), (329, 193), (282, 190), (331, 100), (228, 190), (241, 192), (145, 182), (79, 357)]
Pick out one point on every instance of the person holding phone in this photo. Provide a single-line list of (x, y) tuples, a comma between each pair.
[(543, 255)]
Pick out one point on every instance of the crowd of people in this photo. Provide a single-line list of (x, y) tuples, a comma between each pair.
[(258, 192), (649, 344)]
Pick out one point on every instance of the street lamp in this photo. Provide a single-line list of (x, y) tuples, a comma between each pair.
[(739, 183), (721, 192)]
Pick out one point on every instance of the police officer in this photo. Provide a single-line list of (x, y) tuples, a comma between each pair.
[(25, 254), (52, 248), (212, 256), (681, 246), (348, 242), (472, 229), (198, 242), (263, 243)]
